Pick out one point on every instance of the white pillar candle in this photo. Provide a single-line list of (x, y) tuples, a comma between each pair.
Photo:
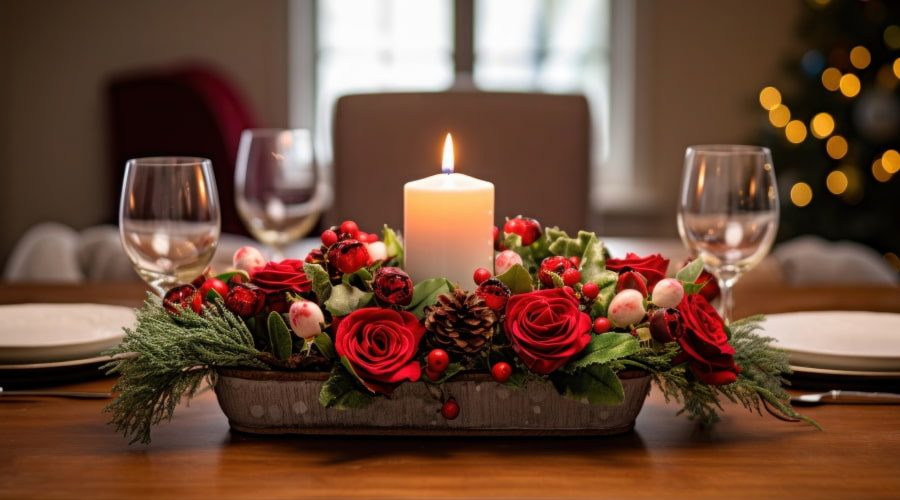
[(448, 222)]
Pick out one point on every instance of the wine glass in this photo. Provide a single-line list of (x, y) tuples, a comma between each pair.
[(728, 210), (169, 219), (280, 189)]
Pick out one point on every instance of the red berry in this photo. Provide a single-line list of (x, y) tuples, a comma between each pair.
[(329, 237), (432, 375), (481, 275), (575, 260), (602, 325), (350, 228), (529, 229), (437, 360), (590, 290), (501, 372), (571, 276), (211, 284), (450, 409)]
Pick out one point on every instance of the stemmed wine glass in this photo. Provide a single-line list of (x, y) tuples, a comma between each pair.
[(280, 188), (169, 220), (728, 210)]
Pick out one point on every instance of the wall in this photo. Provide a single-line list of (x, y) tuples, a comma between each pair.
[(701, 65), (56, 56)]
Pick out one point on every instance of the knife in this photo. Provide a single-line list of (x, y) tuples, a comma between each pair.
[(847, 397), (58, 394)]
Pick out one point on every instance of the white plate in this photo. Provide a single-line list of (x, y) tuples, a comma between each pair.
[(46, 333), (838, 340)]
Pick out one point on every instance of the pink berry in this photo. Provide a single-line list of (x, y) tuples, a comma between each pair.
[(602, 325), (668, 292), (505, 260), (437, 360), (450, 409), (501, 372), (590, 290), (306, 319), (481, 275)]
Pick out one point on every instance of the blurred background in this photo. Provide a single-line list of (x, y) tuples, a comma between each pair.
[(816, 80)]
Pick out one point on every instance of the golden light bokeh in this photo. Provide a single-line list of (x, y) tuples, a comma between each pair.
[(892, 36), (860, 57), (891, 161), (836, 182), (801, 194), (795, 131), (821, 126), (831, 78), (836, 147), (850, 85), (769, 98), (897, 68), (854, 190), (780, 116), (878, 171)]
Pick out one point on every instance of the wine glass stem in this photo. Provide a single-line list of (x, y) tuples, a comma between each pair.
[(726, 300)]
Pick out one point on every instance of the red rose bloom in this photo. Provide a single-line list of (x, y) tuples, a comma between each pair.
[(284, 276), (381, 345), (653, 267), (704, 343), (546, 328)]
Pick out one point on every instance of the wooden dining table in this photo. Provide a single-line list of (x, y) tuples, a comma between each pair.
[(64, 448)]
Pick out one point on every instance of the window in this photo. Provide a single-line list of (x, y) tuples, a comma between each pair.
[(515, 45)]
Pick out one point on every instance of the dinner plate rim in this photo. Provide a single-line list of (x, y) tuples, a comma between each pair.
[(66, 349)]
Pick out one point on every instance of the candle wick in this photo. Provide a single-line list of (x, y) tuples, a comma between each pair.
[(447, 170)]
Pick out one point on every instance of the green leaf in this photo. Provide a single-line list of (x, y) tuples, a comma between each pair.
[(426, 294), (279, 336), (326, 346), (344, 299), (392, 243), (321, 283), (596, 384), (518, 279), (690, 272), (604, 348), (593, 263), (342, 389), (227, 275)]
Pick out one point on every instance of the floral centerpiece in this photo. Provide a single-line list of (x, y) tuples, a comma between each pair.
[(556, 309)]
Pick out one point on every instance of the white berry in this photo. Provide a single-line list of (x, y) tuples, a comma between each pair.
[(306, 319), (505, 260), (627, 308), (377, 251), (248, 258), (668, 292)]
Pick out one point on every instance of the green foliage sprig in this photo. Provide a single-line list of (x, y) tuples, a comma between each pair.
[(168, 356)]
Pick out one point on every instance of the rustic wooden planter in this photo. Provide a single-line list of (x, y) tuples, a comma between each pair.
[(278, 402)]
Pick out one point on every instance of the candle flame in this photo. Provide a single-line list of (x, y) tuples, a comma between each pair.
[(448, 155)]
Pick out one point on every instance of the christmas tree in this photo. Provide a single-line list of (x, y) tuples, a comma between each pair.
[(834, 130)]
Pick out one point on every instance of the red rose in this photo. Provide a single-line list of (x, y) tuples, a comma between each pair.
[(284, 276), (704, 342), (711, 289), (546, 327), (653, 267), (381, 345)]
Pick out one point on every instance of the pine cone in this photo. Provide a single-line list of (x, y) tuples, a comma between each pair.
[(461, 323)]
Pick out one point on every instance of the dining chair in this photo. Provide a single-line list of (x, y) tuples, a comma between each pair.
[(535, 148)]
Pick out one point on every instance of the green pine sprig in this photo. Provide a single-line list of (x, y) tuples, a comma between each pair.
[(167, 356)]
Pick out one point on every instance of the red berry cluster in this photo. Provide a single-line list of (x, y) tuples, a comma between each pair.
[(240, 298), (344, 249)]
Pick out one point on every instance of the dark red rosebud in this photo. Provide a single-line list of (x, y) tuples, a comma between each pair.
[(711, 289), (182, 297), (632, 280), (665, 325), (245, 300), (315, 256), (556, 265), (652, 267), (392, 286), (527, 228), (348, 256), (494, 292)]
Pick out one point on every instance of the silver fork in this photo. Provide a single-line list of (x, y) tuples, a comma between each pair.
[(58, 394)]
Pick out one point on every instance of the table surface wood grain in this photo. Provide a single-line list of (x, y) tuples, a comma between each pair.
[(64, 448)]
